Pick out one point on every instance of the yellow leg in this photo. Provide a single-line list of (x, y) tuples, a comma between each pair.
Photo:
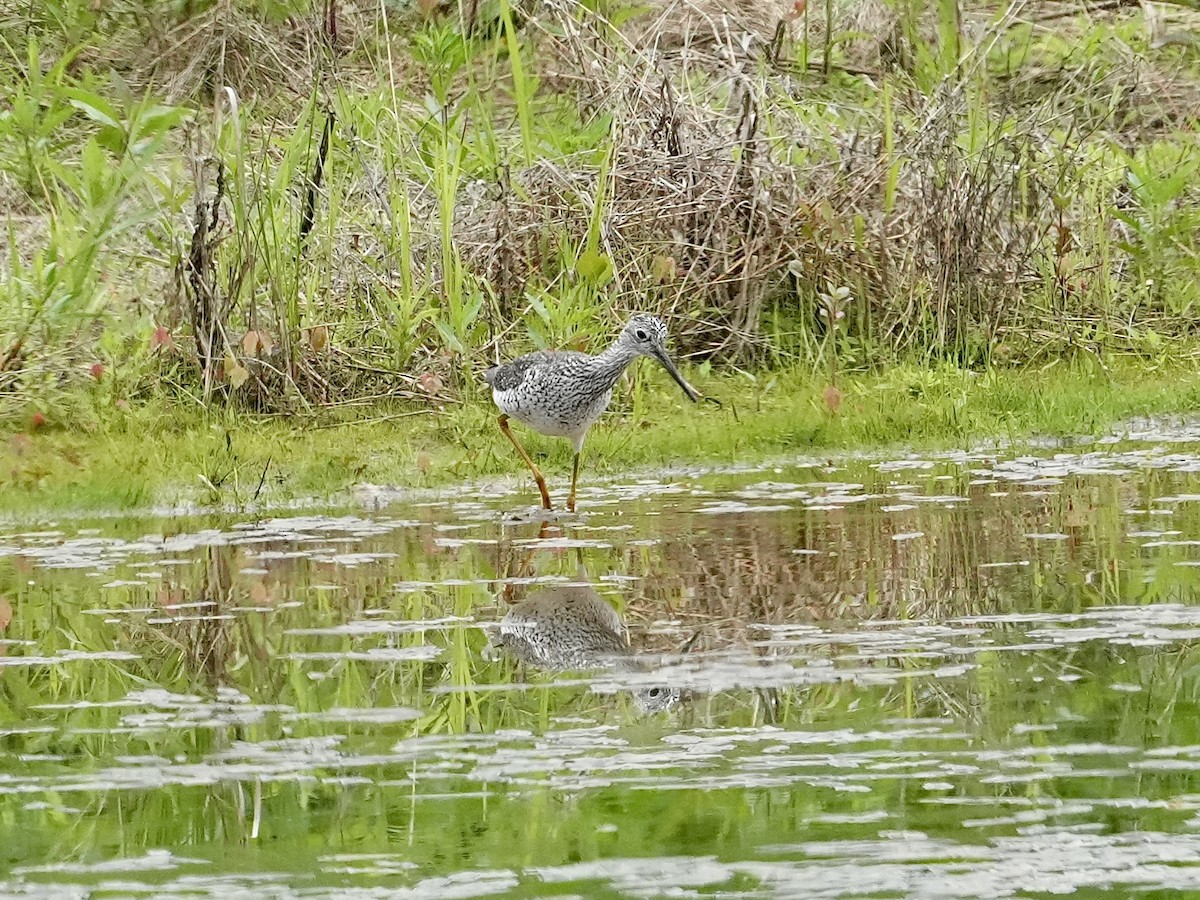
[(574, 480), (523, 568), (537, 475)]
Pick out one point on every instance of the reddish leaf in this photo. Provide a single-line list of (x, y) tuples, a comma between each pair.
[(430, 383), (97, 370), (257, 342), (170, 596), (161, 338), (37, 420), (833, 398), (6, 613)]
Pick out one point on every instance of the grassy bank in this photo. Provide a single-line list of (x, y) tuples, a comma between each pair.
[(285, 236), (146, 455)]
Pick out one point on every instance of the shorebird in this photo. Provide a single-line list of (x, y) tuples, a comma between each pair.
[(573, 627), (560, 393)]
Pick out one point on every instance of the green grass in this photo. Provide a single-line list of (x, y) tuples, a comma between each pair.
[(482, 194), (494, 191), (151, 454)]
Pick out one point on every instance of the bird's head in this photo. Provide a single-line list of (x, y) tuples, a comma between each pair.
[(647, 336), (656, 699)]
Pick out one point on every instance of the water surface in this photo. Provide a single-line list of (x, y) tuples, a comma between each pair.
[(964, 675)]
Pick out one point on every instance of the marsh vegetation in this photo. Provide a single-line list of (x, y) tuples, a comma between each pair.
[(285, 206)]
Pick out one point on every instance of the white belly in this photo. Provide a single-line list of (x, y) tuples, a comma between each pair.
[(568, 420)]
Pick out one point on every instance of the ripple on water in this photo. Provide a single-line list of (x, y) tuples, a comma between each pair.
[(960, 674)]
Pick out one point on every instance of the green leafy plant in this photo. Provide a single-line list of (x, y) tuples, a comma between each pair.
[(1161, 220)]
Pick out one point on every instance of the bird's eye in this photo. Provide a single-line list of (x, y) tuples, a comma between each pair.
[(654, 692), (641, 335)]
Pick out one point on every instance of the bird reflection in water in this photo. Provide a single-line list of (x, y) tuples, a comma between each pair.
[(572, 627)]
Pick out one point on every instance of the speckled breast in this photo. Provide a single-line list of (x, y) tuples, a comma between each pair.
[(558, 407)]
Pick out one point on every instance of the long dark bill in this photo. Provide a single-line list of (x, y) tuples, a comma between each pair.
[(662, 357)]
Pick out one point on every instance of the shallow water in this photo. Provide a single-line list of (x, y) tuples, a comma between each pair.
[(969, 675)]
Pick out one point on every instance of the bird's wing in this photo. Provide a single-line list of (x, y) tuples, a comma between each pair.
[(507, 376)]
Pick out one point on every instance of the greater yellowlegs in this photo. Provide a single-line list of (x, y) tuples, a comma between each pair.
[(573, 627), (560, 393)]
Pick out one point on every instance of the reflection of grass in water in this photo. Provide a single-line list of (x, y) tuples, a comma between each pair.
[(129, 461), (555, 825), (557, 821)]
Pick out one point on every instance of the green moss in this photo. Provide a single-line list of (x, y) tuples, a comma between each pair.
[(154, 454)]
